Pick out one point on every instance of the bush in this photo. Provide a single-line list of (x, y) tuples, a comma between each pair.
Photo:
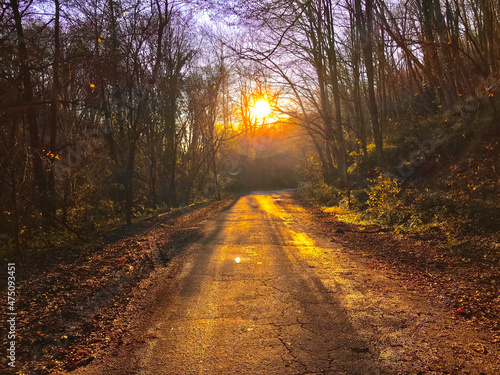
[(358, 200), (385, 201), (322, 193)]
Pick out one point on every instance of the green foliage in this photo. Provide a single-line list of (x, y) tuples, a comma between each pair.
[(93, 217), (358, 200), (310, 169), (385, 201), (321, 193)]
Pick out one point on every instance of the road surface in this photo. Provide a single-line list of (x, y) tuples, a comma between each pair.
[(262, 294)]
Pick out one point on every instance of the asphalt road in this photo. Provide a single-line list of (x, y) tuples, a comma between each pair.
[(262, 294)]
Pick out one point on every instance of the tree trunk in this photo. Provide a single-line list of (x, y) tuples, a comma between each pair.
[(129, 180), (51, 198), (171, 161), (39, 170), (366, 42), (334, 79)]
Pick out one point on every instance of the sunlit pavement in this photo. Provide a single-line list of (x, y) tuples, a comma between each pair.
[(262, 295), (248, 305)]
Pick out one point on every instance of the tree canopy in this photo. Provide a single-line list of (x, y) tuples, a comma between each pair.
[(111, 108)]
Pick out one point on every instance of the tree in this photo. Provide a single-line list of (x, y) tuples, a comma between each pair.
[(36, 149), (364, 22)]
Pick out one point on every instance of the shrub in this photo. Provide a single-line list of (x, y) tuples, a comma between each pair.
[(385, 201), (321, 193), (358, 199)]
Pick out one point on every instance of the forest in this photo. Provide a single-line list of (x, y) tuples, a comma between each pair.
[(114, 110), (270, 186)]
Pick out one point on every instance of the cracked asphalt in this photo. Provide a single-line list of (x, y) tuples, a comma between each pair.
[(260, 293)]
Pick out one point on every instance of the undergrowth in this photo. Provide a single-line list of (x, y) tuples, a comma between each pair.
[(454, 189)]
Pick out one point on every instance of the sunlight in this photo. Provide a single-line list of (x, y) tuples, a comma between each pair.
[(261, 109)]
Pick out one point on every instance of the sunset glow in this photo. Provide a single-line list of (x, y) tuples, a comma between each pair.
[(261, 109)]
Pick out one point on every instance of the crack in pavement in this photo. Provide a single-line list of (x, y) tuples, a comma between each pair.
[(290, 352), (272, 308)]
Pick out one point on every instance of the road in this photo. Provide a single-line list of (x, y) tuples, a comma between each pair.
[(262, 294)]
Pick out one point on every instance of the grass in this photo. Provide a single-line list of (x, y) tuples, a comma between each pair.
[(348, 216)]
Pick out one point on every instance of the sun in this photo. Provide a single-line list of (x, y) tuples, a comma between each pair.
[(261, 109)]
